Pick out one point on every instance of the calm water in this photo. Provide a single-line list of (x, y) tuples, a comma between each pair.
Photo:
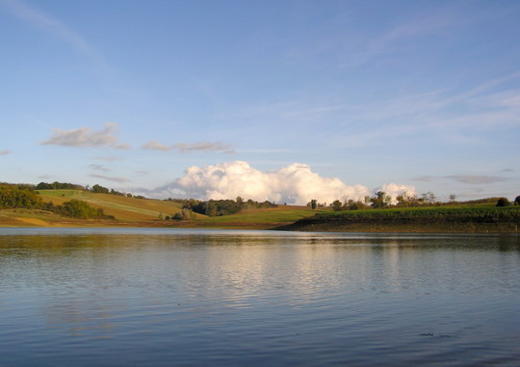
[(192, 297)]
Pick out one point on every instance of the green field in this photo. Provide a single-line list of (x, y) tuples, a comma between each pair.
[(259, 218), (456, 218), (146, 212), (479, 216), (121, 207)]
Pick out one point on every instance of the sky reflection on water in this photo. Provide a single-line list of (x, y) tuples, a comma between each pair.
[(162, 297)]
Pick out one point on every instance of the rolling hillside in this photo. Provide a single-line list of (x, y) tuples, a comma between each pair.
[(262, 218), (121, 207)]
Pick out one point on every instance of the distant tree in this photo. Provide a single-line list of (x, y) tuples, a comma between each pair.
[(453, 197), (517, 200), (186, 214), (336, 205), (313, 204), (79, 209), (58, 186), (100, 189), (503, 202), (380, 200), (356, 205), (404, 201), (13, 196)]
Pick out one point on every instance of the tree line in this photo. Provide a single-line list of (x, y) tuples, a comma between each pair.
[(382, 200), (214, 208), (25, 196), (97, 189)]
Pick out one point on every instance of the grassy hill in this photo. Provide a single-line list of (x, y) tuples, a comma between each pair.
[(454, 218), (146, 212), (261, 218), (477, 216), (121, 207)]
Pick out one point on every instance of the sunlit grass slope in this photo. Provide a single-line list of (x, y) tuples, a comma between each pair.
[(41, 218), (260, 218), (121, 207)]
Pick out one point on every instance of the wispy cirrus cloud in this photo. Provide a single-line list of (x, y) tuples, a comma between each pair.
[(5, 152), (421, 25), (48, 23), (190, 147), (423, 178), (476, 179), (108, 158), (98, 167), (463, 178), (444, 114), (111, 178), (155, 145), (204, 146), (86, 137)]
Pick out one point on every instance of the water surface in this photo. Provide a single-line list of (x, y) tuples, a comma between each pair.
[(162, 297)]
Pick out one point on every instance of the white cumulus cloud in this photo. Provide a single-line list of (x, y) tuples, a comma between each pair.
[(294, 184)]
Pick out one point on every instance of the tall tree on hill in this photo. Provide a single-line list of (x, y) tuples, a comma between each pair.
[(381, 200), (337, 205)]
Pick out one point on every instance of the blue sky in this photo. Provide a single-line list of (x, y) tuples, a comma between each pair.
[(423, 93)]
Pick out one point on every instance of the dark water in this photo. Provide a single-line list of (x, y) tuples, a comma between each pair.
[(229, 298)]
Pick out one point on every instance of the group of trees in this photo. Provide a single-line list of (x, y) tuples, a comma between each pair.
[(381, 200), (183, 214), (223, 207), (98, 189), (19, 196), (24, 196), (213, 208), (58, 186), (505, 202), (76, 209)]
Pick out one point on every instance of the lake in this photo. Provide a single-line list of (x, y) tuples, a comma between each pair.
[(163, 297)]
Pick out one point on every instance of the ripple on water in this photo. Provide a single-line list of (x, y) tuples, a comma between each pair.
[(162, 297)]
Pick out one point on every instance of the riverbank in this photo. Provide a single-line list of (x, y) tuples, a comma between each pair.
[(424, 220), (412, 220)]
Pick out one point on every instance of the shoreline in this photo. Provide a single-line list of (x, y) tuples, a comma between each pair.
[(295, 227)]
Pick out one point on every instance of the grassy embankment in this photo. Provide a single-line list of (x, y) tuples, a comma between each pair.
[(127, 211), (145, 213), (262, 218), (455, 218), (461, 217)]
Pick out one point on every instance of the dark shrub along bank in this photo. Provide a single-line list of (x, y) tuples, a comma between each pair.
[(414, 219)]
